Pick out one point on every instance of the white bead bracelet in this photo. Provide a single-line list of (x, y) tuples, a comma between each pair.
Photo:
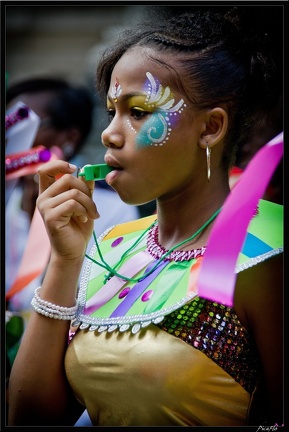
[(51, 310)]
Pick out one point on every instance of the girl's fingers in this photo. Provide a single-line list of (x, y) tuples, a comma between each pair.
[(61, 215), (51, 171), (89, 184), (55, 179), (70, 197)]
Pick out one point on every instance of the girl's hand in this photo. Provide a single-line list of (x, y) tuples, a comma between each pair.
[(67, 209)]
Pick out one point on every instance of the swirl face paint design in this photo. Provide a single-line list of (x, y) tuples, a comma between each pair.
[(157, 129)]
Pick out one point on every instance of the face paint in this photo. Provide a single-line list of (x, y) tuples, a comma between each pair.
[(131, 126), (116, 90), (138, 103), (157, 129)]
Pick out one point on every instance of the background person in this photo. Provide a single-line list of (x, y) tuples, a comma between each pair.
[(66, 120)]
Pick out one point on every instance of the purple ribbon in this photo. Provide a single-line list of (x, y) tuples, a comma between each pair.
[(138, 289), (217, 274)]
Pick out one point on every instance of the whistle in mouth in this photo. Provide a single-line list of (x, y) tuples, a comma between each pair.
[(95, 172)]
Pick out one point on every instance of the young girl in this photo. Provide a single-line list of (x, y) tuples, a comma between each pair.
[(140, 347)]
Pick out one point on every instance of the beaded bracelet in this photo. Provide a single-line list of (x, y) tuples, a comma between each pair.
[(51, 310)]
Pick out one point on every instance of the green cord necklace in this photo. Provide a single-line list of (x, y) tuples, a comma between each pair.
[(112, 270)]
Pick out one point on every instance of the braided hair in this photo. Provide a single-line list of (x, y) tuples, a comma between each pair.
[(219, 60)]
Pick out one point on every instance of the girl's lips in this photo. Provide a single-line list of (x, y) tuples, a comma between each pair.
[(109, 160), (110, 177)]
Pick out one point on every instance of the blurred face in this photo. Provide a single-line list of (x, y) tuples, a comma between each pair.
[(153, 135), (47, 135)]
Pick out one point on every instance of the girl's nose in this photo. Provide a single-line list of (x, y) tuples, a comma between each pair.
[(112, 135)]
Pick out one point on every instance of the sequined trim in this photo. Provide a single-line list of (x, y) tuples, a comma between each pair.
[(107, 231), (216, 331), (256, 260), (132, 322)]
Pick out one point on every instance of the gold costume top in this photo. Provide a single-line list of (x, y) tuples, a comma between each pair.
[(151, 352)]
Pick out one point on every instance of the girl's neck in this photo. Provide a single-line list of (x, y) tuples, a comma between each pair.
[(178, 222)]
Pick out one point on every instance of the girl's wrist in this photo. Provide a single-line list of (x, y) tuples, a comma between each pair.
[(60, 283), (66, 264)]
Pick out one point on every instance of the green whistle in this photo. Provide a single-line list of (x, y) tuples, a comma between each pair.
[(95, 172)]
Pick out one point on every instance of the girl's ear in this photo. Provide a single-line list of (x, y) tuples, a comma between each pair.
[(216, 127)]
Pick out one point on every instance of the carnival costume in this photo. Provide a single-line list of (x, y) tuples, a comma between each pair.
[(145, 349)]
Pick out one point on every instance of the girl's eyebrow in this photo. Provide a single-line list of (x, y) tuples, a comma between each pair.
[(125, 97)]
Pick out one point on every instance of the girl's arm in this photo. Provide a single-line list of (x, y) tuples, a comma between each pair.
[(38, 390)]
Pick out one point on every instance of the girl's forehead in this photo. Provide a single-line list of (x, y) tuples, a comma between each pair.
[(133, 66)]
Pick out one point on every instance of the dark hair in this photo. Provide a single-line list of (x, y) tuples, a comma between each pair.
[(220, 60), (70, 106)]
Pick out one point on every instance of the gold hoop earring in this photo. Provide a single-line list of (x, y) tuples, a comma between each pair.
[(208, 153)]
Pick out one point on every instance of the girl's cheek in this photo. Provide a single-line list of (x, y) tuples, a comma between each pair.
[(157, 129)]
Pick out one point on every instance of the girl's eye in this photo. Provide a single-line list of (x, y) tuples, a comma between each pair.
[(111, 114), (138, 114), (135, 113)]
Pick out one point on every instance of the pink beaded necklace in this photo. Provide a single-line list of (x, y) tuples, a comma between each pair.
[(158, 251)]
